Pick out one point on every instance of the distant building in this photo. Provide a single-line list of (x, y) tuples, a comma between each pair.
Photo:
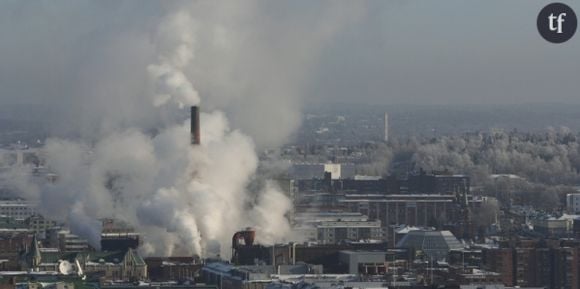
[(435, 245), (153, 285), (34, 283), (66, 241), (228, 276), (436, 183), (494, 286), (17, 209), (354, 185), (20, 157), (39, 225), (422, 183), (553, 227), (10, 246), (180, 269), (536, 264), (332, 228), (501, 260), (478, 276), (118, 236), (304, 171), (434, 210), (119, 265), (288, 254), (330, 232), (334, 281), (573, 203), (364, 262)]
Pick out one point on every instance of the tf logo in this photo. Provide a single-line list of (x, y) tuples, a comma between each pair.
[(557, 22)]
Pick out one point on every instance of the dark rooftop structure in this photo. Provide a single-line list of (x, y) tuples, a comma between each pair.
[(434, 244)]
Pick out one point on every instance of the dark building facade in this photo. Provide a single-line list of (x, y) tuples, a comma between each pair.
[(181, 269), (325, 255), (536, 265), (421, 183), (435, 183)]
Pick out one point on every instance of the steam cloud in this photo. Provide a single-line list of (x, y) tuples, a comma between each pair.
[(175, 54), (180, 196), (115, 88)]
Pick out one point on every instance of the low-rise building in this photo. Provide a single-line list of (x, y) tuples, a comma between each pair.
[(364, 262), (228, 276), (66, 241)]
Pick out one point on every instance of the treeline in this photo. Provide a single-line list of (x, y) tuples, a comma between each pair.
[(551, 158)]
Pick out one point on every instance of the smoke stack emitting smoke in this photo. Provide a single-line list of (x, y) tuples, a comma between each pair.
[(195, 135), (180, 204)]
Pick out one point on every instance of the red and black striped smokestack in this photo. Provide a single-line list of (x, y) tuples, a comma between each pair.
[(195, 125)]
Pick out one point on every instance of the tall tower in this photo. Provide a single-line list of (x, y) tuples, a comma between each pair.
[(386, 127)]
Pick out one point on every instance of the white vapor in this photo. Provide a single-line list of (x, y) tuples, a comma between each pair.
[(133, 160), (175, 52)]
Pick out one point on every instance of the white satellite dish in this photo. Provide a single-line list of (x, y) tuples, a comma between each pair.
[(65, 267)]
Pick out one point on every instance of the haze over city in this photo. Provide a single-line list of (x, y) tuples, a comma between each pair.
[(288, 144)]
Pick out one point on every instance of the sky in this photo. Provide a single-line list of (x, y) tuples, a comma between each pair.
[(266, 60), (442, 52)]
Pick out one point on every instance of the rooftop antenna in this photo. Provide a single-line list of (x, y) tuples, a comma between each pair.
[(80, 270)]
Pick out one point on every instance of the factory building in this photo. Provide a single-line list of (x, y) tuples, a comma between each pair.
[(326, 255), (435, 183), (438, 200), (421, 183), (413, 210)]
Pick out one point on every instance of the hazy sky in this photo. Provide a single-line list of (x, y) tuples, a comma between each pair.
[(449, 51), (80, 56)]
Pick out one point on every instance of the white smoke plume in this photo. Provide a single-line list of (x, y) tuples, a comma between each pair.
[(180, 196), (115, 82), (175, 52), (161, 183)]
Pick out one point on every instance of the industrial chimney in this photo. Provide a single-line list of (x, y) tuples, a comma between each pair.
[(195, 125)]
